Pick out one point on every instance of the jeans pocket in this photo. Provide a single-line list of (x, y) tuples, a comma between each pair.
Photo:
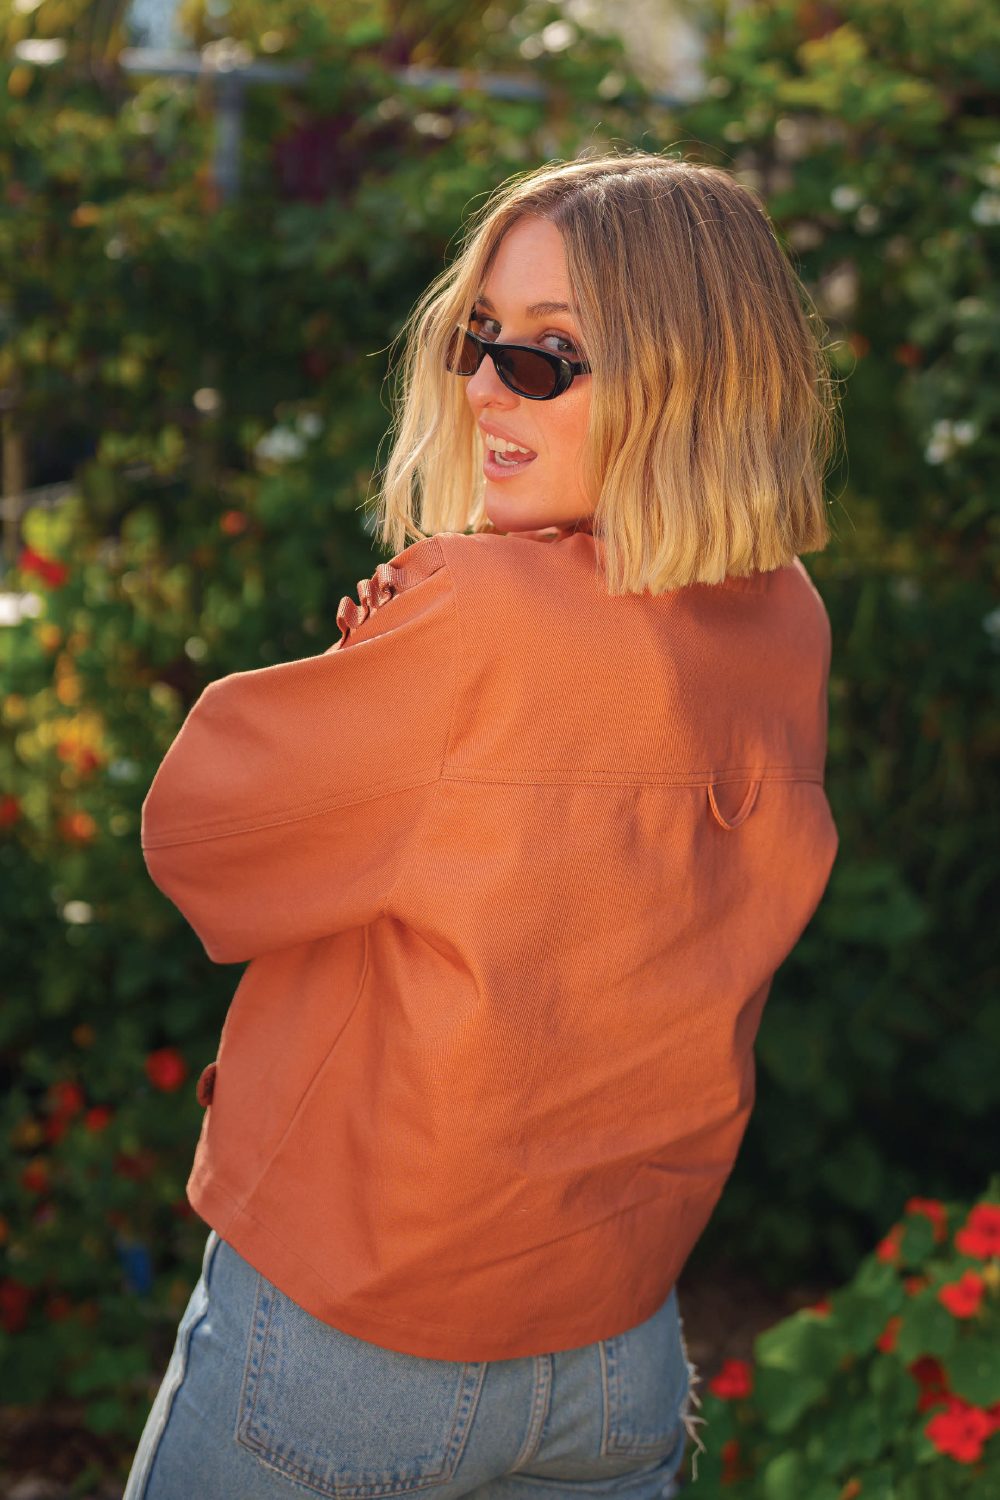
[(348, 1418), (645, 1380)]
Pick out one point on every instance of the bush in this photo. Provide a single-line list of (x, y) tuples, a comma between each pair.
[(872, 128), (887, 1390), (208, 380)]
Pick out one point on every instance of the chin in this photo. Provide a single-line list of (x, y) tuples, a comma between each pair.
[(507, 515)]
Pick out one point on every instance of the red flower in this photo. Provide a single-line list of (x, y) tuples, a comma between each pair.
[(821, 1309), (914, 1285), (730, 1455), (10, 811), (932, 1380), (232, 522), (134, 1165), (96, 1119), (35, 1177), (734, 1381), (960, 1430), (47, 569), (980, 1234), (962, 1298), (166, 1069), (933, 1210), (15, 1302), (886, 1340), (66, 1098), (888, 1249)]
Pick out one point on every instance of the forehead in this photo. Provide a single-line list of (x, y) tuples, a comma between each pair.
[(529, 270)]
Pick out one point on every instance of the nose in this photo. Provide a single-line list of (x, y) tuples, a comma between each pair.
[(485, 388)]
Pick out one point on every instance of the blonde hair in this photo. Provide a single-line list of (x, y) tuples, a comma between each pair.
[(711, 412)]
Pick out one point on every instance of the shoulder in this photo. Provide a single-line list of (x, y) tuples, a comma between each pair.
[(417, 575)]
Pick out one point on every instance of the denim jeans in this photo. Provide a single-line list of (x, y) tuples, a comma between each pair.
[(262, 1401)]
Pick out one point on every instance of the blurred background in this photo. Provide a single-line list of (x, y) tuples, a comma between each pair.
[(214, 217)]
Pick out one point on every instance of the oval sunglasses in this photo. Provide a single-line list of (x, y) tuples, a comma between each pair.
[(533, 373)]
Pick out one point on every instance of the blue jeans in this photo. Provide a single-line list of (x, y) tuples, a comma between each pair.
[(262, 1401)]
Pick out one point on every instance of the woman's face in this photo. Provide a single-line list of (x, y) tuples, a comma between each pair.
[(526, 300)]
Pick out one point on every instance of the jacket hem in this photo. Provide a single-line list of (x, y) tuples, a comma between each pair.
[(269, 1255)]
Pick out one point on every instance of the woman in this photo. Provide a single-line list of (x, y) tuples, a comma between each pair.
[(513, 864)]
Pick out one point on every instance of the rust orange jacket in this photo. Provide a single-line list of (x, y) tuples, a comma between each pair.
[(513, 864)]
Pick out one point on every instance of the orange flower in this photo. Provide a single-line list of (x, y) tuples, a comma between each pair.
[(962, 1298), (734, 1381), (931, 1209), (77, 828), (232, 522)]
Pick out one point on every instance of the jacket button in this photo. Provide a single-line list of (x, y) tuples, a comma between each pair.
[(206, 1086)]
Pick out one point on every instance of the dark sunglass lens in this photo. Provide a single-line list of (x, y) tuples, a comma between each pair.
[(528, 373), (463, 358)]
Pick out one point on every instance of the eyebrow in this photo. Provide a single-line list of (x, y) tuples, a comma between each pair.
[(536, 310)]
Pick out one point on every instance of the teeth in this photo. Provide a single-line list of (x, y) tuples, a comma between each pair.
[(502, 445)]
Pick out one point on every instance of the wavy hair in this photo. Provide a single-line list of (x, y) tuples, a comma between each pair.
[(711, 414)]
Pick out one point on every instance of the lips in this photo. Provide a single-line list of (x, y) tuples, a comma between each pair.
[(505, 456)]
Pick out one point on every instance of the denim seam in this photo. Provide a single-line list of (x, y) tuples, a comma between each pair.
[(211, 1247), (541, 1395), (613, 1445)]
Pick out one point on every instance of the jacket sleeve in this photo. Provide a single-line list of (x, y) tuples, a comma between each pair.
[(285, 808)]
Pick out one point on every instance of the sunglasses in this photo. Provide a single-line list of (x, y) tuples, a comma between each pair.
[(533, 373)]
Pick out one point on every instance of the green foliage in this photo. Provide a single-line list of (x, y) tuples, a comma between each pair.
[(871, 128), (211, 378), (888, 1390)]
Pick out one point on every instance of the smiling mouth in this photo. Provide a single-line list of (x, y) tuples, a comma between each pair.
[(506, 454)]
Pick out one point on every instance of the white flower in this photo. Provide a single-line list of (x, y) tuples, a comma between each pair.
[(17, 607), (123, 770), (964, 433), (845, 198), (310, 424), (611, 85), (195, 648), (78, 913), (280, 446), (42, 51), (986, 209), (558, 35)]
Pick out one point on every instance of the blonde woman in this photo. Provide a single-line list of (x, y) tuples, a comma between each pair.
[(513, 864)]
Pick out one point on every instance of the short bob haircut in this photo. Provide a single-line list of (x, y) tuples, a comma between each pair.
[(711, 412)]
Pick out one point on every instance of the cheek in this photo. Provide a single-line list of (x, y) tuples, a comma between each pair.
[(568, 428)]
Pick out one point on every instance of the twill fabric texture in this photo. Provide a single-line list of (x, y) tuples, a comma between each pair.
[(513, 864), (262, 1401)]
